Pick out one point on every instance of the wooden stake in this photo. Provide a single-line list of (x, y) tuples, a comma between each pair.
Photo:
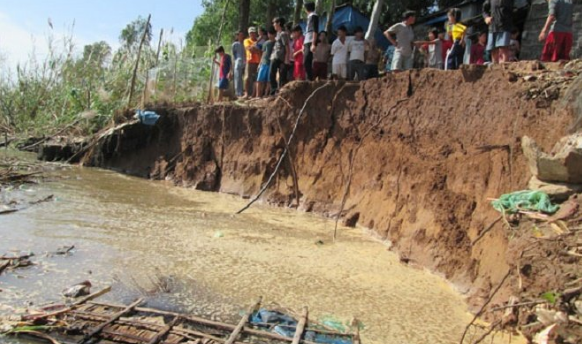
[(241, 324), (300, 326), (143, 38)]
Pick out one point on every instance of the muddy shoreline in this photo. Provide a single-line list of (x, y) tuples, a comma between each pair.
[(422, 152)]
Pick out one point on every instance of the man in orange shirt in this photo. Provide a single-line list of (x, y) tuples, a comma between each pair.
[(253, 60)]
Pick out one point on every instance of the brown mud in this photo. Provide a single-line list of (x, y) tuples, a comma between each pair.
[(420, 152)]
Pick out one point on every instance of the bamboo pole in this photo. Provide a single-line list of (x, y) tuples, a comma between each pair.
[(145, 88), (241, 324), (214, 55), (300, 327), (143, 38)]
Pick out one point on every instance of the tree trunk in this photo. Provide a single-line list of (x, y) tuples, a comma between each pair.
[(271, 10), (319, 7), (330, 15), (297, 14), (374, 20), (245, 12)]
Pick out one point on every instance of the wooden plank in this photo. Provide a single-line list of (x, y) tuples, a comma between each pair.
[(209, 323), (241, 324), (300, 326), (115, 317), (164, 332), (68, 309)]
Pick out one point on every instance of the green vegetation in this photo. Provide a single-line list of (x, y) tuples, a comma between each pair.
[(86, 89)]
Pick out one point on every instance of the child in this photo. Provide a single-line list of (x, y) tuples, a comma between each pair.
[(299, 67), (457, 32), (514, 46), (339, 50), (225, 65), (447, 45), (388, 56), (321, 57), (478, 50), (357, 55), (264, 68), (373, 56), (434, 49)]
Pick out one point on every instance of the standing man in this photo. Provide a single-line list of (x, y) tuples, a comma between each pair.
[(240, 56), (498, 15), (401, 36), (559, 41), (280, 57), (310, 43), (339, 50), (253, 54), (357, 49)]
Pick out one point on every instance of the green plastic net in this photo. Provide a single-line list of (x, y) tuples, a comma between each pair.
[(527, 200)]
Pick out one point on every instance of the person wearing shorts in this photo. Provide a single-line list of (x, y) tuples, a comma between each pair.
[(339, 50), (498, 16), (558, 43), (401, 36), (224, 64), (265, 66)]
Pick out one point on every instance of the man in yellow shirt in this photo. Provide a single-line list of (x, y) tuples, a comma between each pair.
[(253, 60)]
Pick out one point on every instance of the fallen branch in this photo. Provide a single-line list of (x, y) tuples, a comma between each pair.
[(482, 310), (489, 331), (285, 152), (485, 231), (529, 303)]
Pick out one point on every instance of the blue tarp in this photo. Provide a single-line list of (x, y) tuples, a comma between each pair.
[(284, 325), (351, 18)]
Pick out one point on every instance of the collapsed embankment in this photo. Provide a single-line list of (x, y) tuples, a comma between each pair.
[(421, 151)]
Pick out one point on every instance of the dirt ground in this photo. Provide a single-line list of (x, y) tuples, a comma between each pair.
[(416, 156)]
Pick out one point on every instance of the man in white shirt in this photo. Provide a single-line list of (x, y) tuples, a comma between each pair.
[(339, 50), (401, 36), (357, 50)]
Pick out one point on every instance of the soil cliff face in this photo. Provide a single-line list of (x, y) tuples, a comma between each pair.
[(418, 154)]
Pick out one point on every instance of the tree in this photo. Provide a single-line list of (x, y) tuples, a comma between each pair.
[(297, 13), (374, 19), (131, 35), (245, 11)]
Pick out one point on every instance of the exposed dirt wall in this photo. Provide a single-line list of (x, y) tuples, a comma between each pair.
[(429, 148)]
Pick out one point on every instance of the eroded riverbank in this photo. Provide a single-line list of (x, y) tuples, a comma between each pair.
[(212, 263)]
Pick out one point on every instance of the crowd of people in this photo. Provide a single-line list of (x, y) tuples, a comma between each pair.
[(266, 60)]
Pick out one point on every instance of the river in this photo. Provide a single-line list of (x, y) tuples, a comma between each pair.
[(185, 251)]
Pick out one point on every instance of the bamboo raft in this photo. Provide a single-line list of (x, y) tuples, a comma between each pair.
[(88, 322)]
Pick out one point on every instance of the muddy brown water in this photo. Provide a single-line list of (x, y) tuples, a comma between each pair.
[(185, 251)]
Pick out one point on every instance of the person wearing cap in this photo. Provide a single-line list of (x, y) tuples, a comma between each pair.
[(253, 60), (310, 42)]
